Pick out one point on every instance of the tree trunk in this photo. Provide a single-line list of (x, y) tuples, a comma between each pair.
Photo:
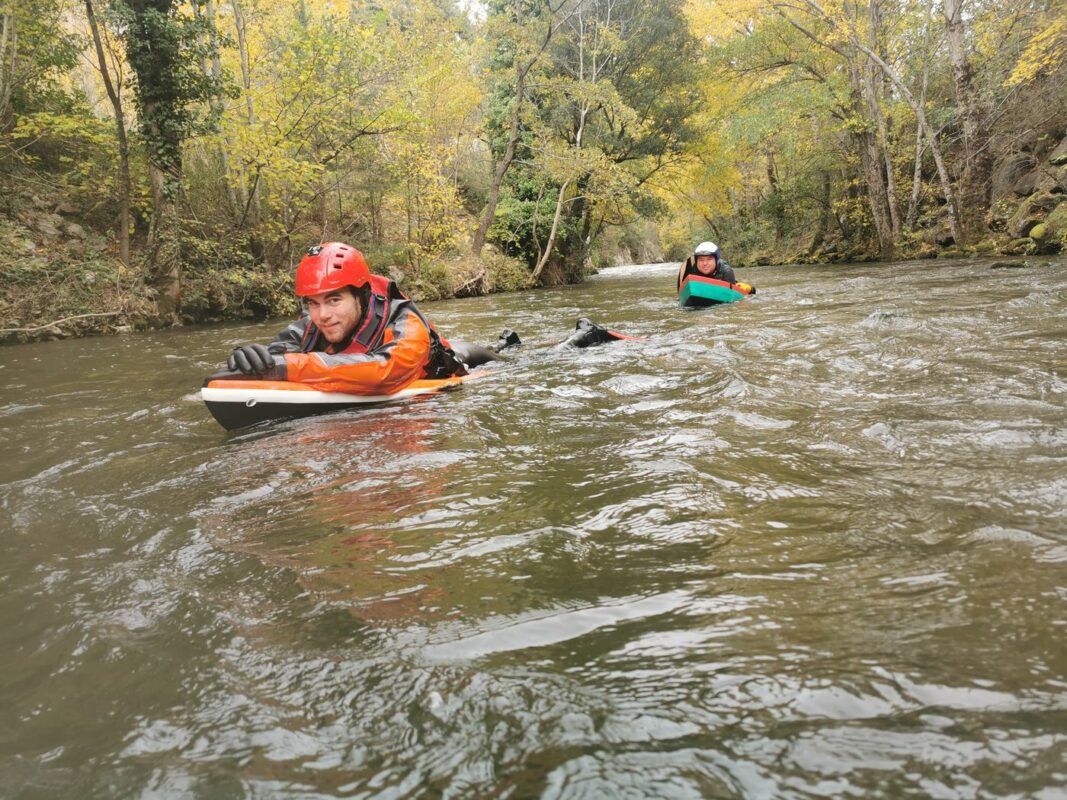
[(152, 50), (374, 208), (935, 150), (583, 212), (536, 274), (871, 165), (931, 138), (5, 79), (772, 183), (218, 104), (534, 221), (916, 179), (916, 183), (120, 133), (890, 178), (878, 197), (521, 71), (844, 224), (976, 159), (250, 191), (920, 113), (876, 90), (8, 63), (502, 168), (164, 246), (824, 214)]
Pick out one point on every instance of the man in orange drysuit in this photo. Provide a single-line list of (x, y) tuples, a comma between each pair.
[(358, 334)]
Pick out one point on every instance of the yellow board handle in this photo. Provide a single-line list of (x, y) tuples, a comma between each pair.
[(744, 287)]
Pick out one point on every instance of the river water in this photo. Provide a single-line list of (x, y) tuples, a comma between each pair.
[(812, 544)]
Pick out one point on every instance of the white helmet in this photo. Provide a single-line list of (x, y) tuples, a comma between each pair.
[(706, 249)]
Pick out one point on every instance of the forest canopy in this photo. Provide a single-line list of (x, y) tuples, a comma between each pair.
[(166, 161)]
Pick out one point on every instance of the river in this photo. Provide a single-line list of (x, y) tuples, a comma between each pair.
[(811, 544)]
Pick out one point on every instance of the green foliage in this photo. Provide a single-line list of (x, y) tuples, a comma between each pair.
[(46, 52), (57, 140), (432, 280), (77, 149), (381, 124), (506, 274), (237, 292), (611, 102), (386, 258), (164, 46), (464, 275), (523, 219), (222, 281), (800, 86), (1046, 50)]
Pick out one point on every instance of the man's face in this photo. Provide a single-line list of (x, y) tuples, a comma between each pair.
[(706, 264), (335, 314)]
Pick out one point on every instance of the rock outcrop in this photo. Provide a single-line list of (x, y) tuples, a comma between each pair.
[(1027, 193)]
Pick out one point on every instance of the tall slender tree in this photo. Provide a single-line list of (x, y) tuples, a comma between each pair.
[(976, 164), (113, 86)]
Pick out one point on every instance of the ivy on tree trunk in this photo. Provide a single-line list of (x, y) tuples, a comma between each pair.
[(164, 48)]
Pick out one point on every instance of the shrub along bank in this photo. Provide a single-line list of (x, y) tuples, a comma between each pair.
[(59, 277)]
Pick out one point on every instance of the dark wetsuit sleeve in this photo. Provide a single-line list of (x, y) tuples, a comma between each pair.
[(293, 336), (726, 272)]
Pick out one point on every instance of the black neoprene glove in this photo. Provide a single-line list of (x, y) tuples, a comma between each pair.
[(252, 359)]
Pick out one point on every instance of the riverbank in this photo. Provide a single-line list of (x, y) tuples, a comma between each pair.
[(1023, 214), (60, 278), (77, 288), (60, 275)]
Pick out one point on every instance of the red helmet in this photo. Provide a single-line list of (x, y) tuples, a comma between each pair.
[(331, 266)]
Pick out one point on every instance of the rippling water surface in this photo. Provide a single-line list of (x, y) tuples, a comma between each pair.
[(813, 544)]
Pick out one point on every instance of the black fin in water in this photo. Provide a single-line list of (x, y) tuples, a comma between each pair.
[(508, 338), (588, 334)]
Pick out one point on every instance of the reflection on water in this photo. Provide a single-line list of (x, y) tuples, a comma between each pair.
[(810, 544)]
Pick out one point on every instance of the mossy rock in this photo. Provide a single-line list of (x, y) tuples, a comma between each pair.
[(951, 252), (1045, 201), (1047, 240), (1022, 221), (1057, 220), (1060, 177), (1000, 213), (985, 247), (1020, 247)]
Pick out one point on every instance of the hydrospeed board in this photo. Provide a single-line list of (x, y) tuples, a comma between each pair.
[(240, 403), (697, 291)]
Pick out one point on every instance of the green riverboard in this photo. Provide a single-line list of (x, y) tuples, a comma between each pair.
[(706, 292)]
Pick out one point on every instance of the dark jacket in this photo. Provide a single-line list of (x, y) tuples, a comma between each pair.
[(723, 271)]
